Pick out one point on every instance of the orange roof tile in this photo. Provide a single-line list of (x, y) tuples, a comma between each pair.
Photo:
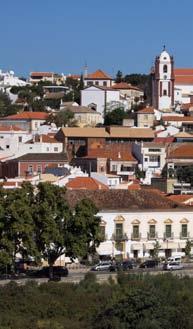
[(99, 74), (177, 118), (134, 187), (10, 128), (85, 183), (184, 151), (181, 198), (27, 116), (183, 76), (146, 110), (124, 85), (186, 106), (41, 74), (115, 152)]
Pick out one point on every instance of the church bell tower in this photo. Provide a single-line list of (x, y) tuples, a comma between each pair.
[(163, 82)]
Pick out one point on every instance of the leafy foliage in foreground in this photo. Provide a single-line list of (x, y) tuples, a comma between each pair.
[(151, 302)]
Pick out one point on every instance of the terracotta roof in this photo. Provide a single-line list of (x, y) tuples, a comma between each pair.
[(184, 151), (50, 157), (97, 75), (146, 110), (186, 106), (54, 95), (183, 134), (134, 187), (10, 128), (125, 86), (43, 138), (115, 152), (81, 109), (27, 116), (74, 76), (122, 199), (85, 183), (183, 76), (181, 198), (109, 132), (177, 118), (41, 74), (168, 140)]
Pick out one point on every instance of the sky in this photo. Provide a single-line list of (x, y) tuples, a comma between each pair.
[(62, 35)]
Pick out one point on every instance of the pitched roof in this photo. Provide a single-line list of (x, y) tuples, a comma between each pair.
[(146, 110), (181, 198), (43, 139), (85, 183), (186, 106), (109, 132), (27, 116), (168, 140), (41, 74), (115, 152), (81, 109), (183, 134), (177, 118), (183, 76), (97, 75), (122, 199), (10, 128), (183, 151), (125, 86), (51, 157)]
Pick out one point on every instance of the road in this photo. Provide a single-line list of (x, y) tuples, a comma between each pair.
[(75, 276)]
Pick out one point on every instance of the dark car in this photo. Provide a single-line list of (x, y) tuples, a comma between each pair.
[(58, 271), (125, 265), (149, 264)]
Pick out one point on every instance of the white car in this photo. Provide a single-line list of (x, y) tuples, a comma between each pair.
[(172, 266), (103, 266)]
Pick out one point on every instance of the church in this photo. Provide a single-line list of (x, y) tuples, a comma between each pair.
[(171, 86)]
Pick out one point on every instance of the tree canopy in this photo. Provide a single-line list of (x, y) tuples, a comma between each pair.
[(115, 117)]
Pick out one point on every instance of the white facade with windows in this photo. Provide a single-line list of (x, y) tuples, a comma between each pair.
[(133, 234)]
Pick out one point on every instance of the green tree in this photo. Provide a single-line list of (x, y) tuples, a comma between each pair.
[(119, 77), (115, 117), (62, 118), (60, 231), (187, 248), (156, 249), (17, 236), (6, 107)]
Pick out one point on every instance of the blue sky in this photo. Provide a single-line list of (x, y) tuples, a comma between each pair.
[(61, 35)]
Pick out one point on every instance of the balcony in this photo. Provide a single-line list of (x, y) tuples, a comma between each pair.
[(119, 237), (184, 235), (168, 236), (152, 235), (136, 236)]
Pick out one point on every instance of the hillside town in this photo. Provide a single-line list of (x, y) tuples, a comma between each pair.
[(126, 146)]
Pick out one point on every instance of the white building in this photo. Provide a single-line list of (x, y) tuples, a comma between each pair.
[(133, 233), (98, 97), (98, 78), (8, 79)]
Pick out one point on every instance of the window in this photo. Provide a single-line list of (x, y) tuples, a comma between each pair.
[(151, 231), (168, 232), (30, 169), (20, 139), (39, 170), (165, 92), (119, 230), (165, 68), (154, 158), (165, 77), (47, 149), (104, 83), (146, 159), (154, 150), (89, 83), (36, 125), (184, 230), (2, 137), (145, 117), (55, 149), (135, 231), (114, 167), (7, 146), (96, 83)]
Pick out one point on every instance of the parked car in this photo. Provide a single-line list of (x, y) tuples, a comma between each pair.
[(104, 266), (149, 264), (58, 271), (125, 265), (172, 266)]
